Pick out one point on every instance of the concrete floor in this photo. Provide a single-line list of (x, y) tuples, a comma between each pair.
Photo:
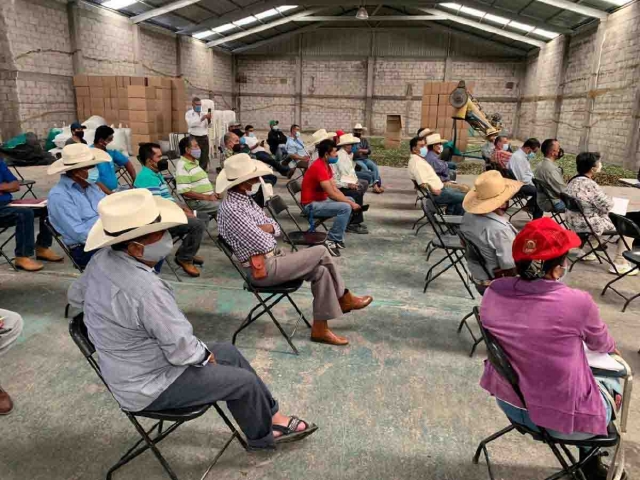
[(402, 401)]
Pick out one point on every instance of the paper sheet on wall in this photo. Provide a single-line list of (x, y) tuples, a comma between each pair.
[(620, 206), (603, 361)]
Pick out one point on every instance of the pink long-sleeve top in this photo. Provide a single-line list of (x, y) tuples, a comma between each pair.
[(541, 326)]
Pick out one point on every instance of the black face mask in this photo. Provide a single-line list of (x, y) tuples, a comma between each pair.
[(237, 148), (162, 165), (79, 134), (560, 154), (357, 135)]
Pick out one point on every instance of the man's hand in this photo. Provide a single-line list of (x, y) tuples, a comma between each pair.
[(267, 228), (212, 359), (262, 143), (352, 186), (188, 212), (354, 206), (207, 116), (214, 197)]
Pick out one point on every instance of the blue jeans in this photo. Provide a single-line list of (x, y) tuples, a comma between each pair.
[(452, 199), (330, 208), (452, 165), (22, 218), (368, 165), (559, 206)]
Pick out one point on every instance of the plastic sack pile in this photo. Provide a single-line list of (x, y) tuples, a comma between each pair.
[(121, 136)]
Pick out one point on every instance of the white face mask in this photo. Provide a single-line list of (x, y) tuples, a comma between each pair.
[(598, 167), (505, 147), (256, 187), (155, 252)]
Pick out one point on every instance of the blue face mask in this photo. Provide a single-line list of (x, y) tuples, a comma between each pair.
[(423, 151), (333, 160), (297, 134), (252, 135), (196, 152), (354, 148), (243, 141), (93, 176), (197, 109), (531, 156)]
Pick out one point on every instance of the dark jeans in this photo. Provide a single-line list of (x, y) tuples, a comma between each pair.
[(264, 157), (365, 175), (22, 218), (532, 204), (193, 231), (80, 256), (231, 379), (203, 143), (452, 199), (357, 217)]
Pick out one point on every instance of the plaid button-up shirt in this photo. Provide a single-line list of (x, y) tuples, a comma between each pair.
[(239, 218)]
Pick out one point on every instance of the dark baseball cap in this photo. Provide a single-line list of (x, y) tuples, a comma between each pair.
[(77, 126)]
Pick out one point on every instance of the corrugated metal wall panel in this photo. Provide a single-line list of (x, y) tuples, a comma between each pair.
[(462, 47), (284, 47), (411, 43), (336, 42)]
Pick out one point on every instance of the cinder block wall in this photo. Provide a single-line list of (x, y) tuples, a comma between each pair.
[(37, 60)]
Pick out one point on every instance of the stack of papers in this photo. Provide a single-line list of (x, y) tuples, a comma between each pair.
[(29, 203), (620, 206), (602, 361)]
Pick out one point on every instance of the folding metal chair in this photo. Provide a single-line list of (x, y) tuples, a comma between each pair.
[(419, 196), (177, 239), (451, 222), (452, 247), (590, 239), (544, 190), (3, 228), (570, 467), (625, 228), (28, 184), (519, 200), (275, 294), (123, 177), (157, 432), (295, 187), (174, 148), (276, 205)]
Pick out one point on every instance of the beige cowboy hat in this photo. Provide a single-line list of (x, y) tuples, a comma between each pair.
[(425, 133), (238, 169), (490, 190), (132, 214), (348, 139), (321, 135), (359, 127), (435, 139), (78, 155)]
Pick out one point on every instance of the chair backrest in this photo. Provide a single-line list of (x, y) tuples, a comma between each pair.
[(228, 251), (80, 335), (625, 226), (295, 187), (431, 211), (473, 252), (277, 205), (58, 238), (572, 203)]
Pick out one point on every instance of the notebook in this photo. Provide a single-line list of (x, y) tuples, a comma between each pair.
[(620, 206), (602, 361), (29, 203)]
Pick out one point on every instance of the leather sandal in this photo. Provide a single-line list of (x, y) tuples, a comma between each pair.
[(290, 433)]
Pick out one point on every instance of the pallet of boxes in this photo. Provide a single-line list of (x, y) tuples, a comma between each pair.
[(437, 112), (143, 104)]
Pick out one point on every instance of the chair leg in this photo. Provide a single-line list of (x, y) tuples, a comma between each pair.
[(482, 448), (172, 268), (629, 301), (300, 314), (66, 311)]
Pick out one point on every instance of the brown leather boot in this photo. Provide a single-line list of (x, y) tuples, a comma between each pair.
[(27, 264), (47, 255), (320, 333), (350, 302), (6, 405), (189, 268)]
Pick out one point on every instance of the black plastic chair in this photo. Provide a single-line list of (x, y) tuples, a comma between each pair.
[(544, 191), (3, 228), (295, 187), (570, 467), (275, 206), (273, 295), (157, 432), (625, 228)]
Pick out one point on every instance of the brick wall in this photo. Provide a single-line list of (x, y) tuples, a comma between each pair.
[(159, 53)]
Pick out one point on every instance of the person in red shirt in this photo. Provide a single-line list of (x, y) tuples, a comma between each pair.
[(321, 198)]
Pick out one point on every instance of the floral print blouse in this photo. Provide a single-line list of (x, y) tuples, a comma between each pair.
[(595, 203)]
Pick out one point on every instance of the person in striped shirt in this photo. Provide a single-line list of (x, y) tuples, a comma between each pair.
[(192, 182)]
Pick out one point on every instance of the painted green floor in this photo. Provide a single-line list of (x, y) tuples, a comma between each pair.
[(402, 401)]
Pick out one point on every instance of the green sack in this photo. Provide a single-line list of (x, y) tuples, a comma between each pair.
[(15, 141), (53, 133)]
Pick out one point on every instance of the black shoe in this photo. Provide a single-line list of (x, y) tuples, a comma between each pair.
[(359, 229), (332, 247), (340, 245)]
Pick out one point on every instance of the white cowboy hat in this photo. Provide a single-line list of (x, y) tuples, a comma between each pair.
[(132, 214), (490, 190), (78, 155), (359, 127), (435, 139), (425, 133), (238, 169), (321, 135), (348, 139)]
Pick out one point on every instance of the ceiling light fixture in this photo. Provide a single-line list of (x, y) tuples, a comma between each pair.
[(362, 14), (203, 34)]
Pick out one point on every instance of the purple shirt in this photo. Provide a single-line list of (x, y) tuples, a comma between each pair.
[(541, 326), (440, 166)]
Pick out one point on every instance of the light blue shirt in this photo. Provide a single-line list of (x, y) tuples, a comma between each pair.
[(108, 170), (521, 168), (296, 147), (73, 210)]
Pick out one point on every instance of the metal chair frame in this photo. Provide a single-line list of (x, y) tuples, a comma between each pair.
[(294, 187), (519, 200), (8, 259), (24, 183), (276, 205), (174, 418), (275, 293), (544, 189), (451, 222)]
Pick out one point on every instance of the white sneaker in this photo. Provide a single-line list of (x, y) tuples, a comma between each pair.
[(624, 269), (589, 258)]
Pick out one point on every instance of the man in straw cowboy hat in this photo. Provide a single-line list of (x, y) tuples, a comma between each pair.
[(146, 348), (361, 155), (487, 227), (73, 201), (252, 237), (489, 146), (317, 137), (434, 150)]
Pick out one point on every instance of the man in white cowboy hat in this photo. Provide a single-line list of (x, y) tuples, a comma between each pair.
[(486, 226), (361, 155), (257, 151), (425, 176), (252, 237), (147, 352), (73, 201), (489, 146), (350, 183), (434, 150), (317, 137)]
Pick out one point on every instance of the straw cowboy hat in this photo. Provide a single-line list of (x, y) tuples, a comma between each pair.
[(425, 133), (359, 127), (435, 139), (78, 155), (321, 135), (491, 132), (132, 214), (490, 190), (348, 139), (238, 169)]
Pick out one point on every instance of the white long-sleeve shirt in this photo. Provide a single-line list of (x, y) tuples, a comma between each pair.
[(197, 126), (343, 172), (521, 168)]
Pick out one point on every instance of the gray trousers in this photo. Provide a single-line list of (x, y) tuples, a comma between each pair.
[(12, 322), (231, 380), (194, 230), (314, 265), (208, 208)]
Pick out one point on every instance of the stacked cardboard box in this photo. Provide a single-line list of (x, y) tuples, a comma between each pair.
[(162, 87), (393, 133), (178, 105), (142, 114)]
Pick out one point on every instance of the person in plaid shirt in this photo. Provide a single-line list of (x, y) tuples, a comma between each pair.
[(501, 155), (249, 233)]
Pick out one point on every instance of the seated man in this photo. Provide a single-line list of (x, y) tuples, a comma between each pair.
[(77, 134), (361, 154), (277, 141), (298, 154), (348, 182), (434, 149), (250, 233), (234, 147), (192, 182), (425, 176), (73, 201), (108, 182), (501, 154), (485, 225), (490, 145), (257, 150), (551, 175), (520, 165), (317, 137), (146, 348), (150, 157), (321, 198), (22, 218)]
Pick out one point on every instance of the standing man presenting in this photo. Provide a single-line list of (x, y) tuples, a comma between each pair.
[(198, 124)]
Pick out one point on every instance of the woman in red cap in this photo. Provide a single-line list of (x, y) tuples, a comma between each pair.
[(542, 324)]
